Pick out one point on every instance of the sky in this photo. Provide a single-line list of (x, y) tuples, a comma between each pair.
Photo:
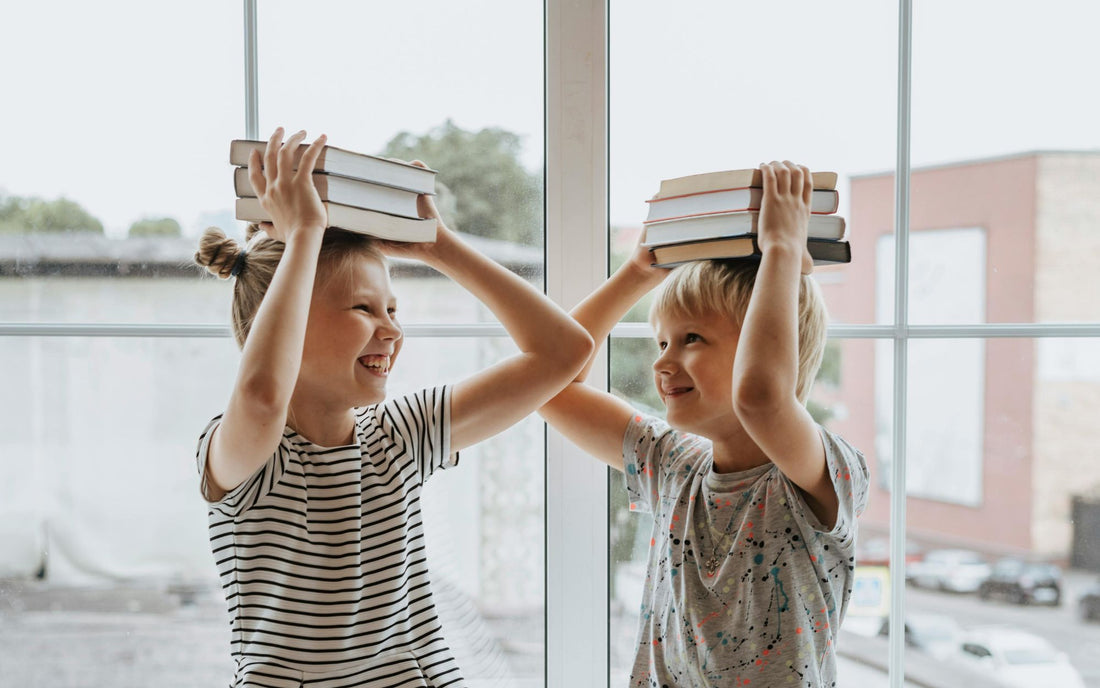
[(133, 118)]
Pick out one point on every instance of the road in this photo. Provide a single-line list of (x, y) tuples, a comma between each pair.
[(1060, 625)]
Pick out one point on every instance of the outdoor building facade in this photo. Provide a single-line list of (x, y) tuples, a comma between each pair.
[(999, 428)]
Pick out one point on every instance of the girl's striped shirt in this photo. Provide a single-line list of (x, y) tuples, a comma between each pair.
[(321, 554)]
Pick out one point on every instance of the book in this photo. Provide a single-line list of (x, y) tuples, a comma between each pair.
[(822, 202), (381, 225), (717, 225), (346, 191), (729, 179), (823, 251), (346, 163)]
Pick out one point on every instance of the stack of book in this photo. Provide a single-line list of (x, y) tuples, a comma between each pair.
[(715, 215), (362, 193)]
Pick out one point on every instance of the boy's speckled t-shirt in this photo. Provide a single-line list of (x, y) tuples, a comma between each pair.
[(769, 614)]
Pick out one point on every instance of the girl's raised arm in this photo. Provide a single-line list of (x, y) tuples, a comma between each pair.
[(592, 419), (553, 347), (257, 410)]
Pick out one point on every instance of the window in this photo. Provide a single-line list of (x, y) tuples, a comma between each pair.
[(117, 352), (962, 355)]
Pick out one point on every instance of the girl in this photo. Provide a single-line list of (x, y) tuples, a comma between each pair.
[(314, 480)]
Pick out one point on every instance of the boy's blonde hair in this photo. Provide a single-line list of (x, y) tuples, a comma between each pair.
[(253, 265), (715, 287)]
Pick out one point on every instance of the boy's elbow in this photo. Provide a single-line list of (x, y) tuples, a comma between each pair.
[(759, 396)]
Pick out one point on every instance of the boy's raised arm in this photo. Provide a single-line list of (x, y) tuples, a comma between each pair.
[(552, 346), (592, 419), (765, 371)]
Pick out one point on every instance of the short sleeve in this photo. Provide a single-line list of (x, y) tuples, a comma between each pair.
[(421, 424), (244, 496), (850, 477), (653, 456)]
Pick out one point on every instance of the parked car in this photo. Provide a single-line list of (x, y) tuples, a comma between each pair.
[(936, 635), (1017, 658), (1088, 605), (1023, 582), (956, 570)]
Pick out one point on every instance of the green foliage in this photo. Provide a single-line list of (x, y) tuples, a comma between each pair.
[(829, 372), (26, 215), (632, 371), (487, 191), (828, 375), (156, 227)]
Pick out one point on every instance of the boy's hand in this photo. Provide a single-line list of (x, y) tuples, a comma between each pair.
[(641, 261), (785, 210), (288, 195)]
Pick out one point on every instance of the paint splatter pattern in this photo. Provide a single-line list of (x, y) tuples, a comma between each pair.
[(769, 613)]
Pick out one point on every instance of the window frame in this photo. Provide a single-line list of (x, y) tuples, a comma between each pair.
[(576, 259)]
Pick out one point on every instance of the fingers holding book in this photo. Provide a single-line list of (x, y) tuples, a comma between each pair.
[(282, 180), (785, 210)]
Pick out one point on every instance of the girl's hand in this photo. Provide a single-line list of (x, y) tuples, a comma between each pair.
[(422, 250), (288, 195), (785, 210)]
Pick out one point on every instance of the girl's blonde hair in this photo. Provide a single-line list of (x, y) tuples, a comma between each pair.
[(715, 287), (253, 265)]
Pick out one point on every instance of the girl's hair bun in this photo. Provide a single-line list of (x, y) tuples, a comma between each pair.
[(218, 253)]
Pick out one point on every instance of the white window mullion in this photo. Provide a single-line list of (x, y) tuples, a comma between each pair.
[(251, 73), (576, 263), (901, 347)]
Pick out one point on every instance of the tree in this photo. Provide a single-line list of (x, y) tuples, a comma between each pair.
[(156, 227), (19, 215), (485, 190)]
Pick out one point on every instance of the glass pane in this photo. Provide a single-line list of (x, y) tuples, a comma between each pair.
[(431, 93), (685, 98), (1002, 510), (120, 158), (106, 575), (1004, 202)]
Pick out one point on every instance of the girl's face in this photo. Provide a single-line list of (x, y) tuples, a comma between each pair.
[(352, 337), (694, 371)]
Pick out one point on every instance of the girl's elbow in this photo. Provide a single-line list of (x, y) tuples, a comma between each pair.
[(582, 345), (263, 395), (571, 348)]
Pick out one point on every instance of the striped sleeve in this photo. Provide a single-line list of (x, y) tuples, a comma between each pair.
[(243, 496), (421, 423)]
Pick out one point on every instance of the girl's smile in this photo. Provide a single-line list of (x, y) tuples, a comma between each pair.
[(376, 364)]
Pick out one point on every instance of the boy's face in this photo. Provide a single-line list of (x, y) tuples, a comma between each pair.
[(694, 371), (352, 337)]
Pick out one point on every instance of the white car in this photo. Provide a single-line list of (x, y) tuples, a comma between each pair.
[(956, 570), (1018, 659), (936, 635)]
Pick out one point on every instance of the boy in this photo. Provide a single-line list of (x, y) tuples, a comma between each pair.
[(754, 504)]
